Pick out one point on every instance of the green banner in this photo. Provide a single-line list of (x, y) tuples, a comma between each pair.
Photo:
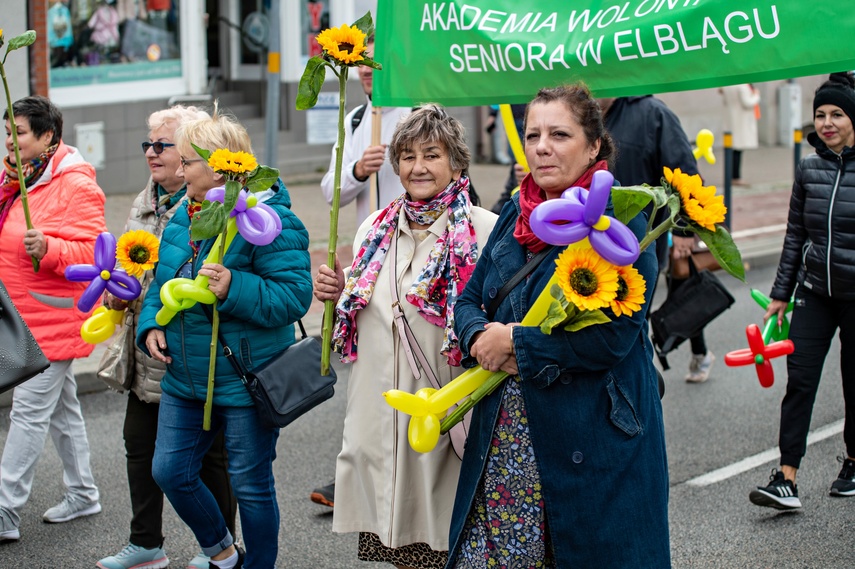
[(480, 52)]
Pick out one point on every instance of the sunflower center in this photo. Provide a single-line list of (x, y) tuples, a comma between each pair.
[(139, 254), (346, 47), (622, 289), (584, 281)]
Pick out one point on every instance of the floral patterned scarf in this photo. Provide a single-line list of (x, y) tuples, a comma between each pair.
[(32, 170), (439, 283)]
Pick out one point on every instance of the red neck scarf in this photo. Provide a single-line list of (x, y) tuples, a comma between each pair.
[(531, 196)]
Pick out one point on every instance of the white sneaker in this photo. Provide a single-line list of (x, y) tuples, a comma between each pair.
[(71, 507), (700, 367), (8, 530)]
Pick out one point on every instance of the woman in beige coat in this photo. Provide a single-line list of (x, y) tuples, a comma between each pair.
[(398, 500), (741, 106)]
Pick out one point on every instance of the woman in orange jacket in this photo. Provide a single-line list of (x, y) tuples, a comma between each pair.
[(67, 209)]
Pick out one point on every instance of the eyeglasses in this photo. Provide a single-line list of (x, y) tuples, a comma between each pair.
[(158, 146), (184, 161)]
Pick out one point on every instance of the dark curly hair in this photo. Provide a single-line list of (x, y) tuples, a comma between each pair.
[(579, 101)]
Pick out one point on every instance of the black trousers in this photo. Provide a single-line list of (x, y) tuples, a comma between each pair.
[(737, 164), (815, 319), (140, 432)]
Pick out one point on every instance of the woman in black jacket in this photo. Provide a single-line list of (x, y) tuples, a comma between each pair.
[(818, 262)]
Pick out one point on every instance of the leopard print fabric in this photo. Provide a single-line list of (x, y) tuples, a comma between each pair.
[(416, 555)]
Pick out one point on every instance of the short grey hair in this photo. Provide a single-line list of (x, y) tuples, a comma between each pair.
[(175, 116), (431, 123)]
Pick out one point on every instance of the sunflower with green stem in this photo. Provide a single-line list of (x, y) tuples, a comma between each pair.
[(343, 47)]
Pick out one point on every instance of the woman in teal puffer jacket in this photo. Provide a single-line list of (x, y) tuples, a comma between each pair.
[(261, 292)]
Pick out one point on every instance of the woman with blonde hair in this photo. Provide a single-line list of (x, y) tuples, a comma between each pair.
[(152, 209), (261, 292)]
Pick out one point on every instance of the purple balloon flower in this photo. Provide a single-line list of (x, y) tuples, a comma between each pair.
[(256, 222), (578, 214), (103, 275)]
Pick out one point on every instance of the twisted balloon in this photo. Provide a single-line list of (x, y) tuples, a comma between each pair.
[(579, 214), (256, 221), (103, 275)]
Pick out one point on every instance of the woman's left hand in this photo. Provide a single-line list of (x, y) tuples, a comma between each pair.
[(35, 243), (493, 348), (219, 279)]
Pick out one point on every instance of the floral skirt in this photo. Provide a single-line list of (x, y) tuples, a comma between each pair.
[(418, 555), (506, 527)]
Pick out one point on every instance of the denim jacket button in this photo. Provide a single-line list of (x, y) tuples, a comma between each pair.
[(577, 457), (493, 292)]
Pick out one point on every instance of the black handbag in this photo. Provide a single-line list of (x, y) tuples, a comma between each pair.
[(687, 310), (289, 384), (20, 356)]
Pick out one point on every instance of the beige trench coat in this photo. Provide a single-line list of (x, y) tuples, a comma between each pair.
[(739, 119), (382, 485)]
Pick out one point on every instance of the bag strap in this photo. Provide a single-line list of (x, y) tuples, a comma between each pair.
[(693, 269), (411, 346), (522, 273), (227, 351)]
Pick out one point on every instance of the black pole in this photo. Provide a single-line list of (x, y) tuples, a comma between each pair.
[(728, 175)]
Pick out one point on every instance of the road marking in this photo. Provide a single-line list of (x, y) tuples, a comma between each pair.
[(759, 231), (762, 458)]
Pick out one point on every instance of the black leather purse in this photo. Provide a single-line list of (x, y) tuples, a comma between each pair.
[(688, 310), (20, 356), (289, 384)]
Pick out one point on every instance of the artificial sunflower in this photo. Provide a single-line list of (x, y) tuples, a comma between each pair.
[(136, 251), (587, 280), (345, 44), (700, 203), (630, 292), (225, 161)]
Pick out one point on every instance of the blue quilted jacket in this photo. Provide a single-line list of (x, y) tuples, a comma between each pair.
[(271, 288)]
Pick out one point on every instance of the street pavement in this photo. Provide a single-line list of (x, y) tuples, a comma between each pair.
[(726, 427)]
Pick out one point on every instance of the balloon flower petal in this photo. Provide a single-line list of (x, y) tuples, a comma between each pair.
[(578, 214), (256, 222), (759, 354), (103, 275)]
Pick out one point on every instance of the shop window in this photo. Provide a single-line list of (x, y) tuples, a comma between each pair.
[(111, 41)]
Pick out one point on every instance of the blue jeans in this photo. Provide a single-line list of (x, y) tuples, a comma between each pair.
[(181, 444)]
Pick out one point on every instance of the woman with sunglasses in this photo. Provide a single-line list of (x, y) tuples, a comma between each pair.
[(152, 209)]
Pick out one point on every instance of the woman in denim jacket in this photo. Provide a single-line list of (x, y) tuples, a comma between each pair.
[(565, 465)]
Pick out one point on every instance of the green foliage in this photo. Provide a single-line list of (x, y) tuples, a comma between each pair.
[(263, 178), (722, 247), (365, 24), (311, 83), (205, 154), (586, 318), (231, 195), (23, 40), (209, 222), (629, 201)]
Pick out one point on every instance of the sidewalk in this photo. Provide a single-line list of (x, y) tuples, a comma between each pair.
[(758, 223)]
